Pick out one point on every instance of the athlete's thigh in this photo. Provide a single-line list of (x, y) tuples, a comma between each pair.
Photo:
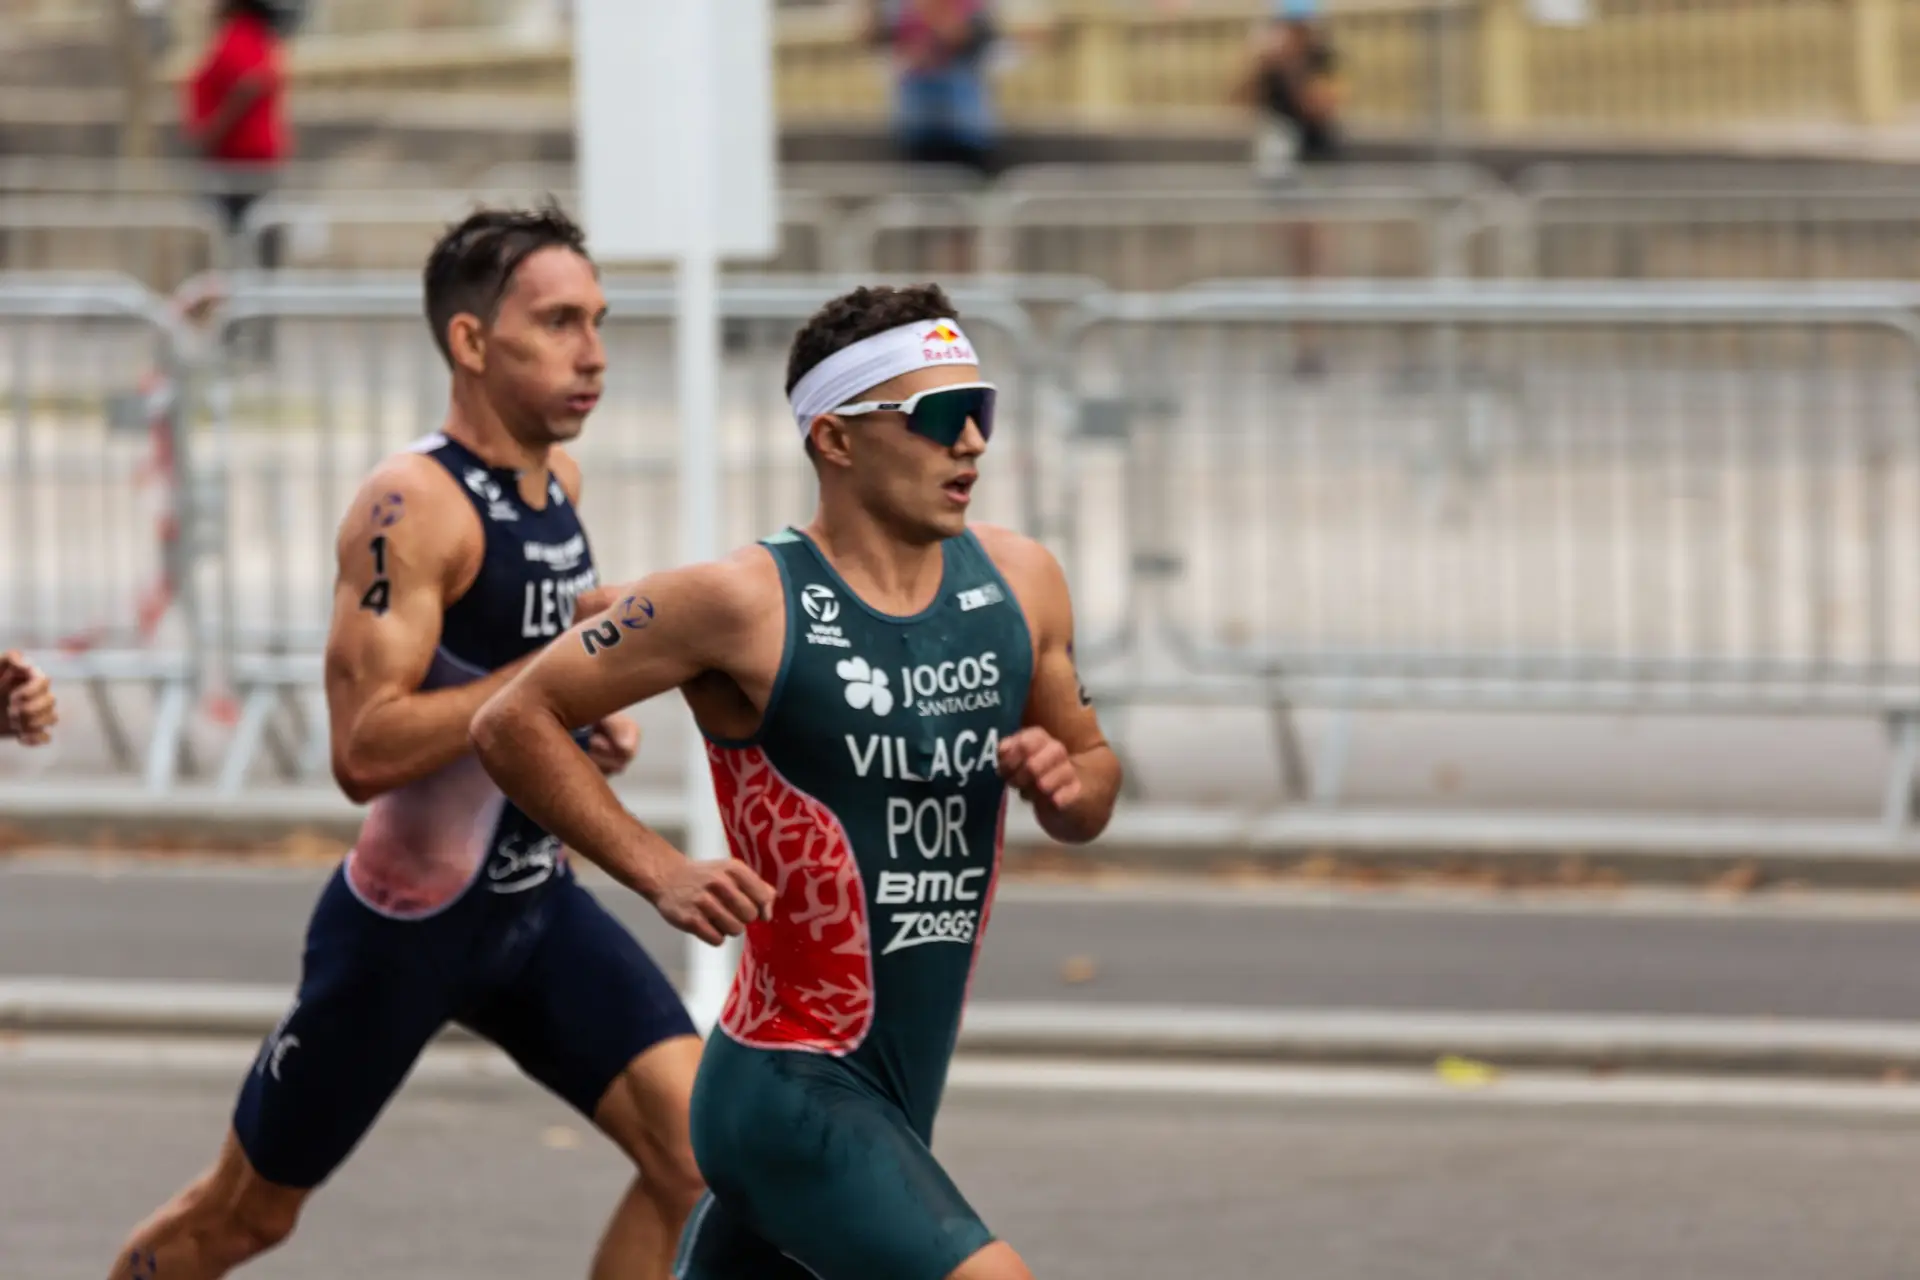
[(373, 991), (644, 1110), (825, 1170), (587, 1003)]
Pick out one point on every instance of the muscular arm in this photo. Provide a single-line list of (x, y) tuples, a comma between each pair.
[(661, 633), (1057, 703), (408, 545)]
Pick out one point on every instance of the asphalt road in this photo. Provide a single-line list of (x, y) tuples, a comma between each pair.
[(1227, 946), (485, 1182)]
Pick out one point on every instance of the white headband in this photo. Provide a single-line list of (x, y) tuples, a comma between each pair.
[(835, 381)]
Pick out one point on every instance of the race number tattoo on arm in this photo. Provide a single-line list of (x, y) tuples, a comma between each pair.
[(634, 614), (379, 596), (1086, 699)]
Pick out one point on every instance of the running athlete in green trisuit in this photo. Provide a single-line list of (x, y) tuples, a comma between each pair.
[(870, 688)]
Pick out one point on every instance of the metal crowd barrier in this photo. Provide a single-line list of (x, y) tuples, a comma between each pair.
[(160, 240), (392, 230), (353, 376), (1592, 498), (1690, 232), (1128, 227), (94, 547), (1693, 499)]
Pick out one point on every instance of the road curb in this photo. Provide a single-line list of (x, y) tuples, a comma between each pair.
[(1354, 1038), (1367, 845)]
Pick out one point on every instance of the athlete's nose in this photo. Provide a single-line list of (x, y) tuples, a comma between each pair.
[(971, 443), (593, 354)]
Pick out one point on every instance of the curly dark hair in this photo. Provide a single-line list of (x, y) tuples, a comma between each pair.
[(861, 314), (473, 262)]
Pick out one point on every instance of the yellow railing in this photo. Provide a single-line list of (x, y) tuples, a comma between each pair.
[(1641, 67)]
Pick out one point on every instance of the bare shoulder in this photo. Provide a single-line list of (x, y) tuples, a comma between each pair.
[(401, 485), (1038, 581), (1022, 561), (746, 583), (566, 469), (412, 504), (729, 595)]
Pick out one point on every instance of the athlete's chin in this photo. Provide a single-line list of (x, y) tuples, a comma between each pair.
[(950, 523), (566, 427)]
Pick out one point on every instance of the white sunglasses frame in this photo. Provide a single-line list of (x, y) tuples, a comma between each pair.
[(911, 403)]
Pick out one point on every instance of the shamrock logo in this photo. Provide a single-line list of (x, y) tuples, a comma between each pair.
[(866, 686)]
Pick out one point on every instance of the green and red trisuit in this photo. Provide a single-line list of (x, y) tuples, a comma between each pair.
[(870, 800)]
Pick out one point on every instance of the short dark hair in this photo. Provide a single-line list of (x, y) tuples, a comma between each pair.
[(861, 314), (473, 262)]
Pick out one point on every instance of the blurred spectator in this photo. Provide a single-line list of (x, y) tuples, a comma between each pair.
[(235, 109), (1291, 82), (942, 105)]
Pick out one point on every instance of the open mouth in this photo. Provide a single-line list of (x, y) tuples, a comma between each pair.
[(960, 488)]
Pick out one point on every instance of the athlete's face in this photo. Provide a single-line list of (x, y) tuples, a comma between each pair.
[(915, 485), (544, 356)]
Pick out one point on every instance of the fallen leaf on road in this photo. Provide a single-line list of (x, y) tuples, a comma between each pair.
[(1465, 1073), (1077, 969), (1740, 879)]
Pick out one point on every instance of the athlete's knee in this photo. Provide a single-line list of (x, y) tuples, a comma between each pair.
[(229, 1215), (670, 1177), (645, 1112), (255, 1223)]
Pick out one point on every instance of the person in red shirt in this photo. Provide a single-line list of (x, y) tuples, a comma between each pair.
[(235, 109)]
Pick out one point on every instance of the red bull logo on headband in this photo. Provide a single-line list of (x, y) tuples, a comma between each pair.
[(944, 343)]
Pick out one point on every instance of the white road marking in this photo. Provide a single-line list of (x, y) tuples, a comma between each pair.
[(74, 1058), (1170, 889)]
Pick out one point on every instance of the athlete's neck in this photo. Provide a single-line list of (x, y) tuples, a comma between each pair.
[(888, 572), (474, 424)]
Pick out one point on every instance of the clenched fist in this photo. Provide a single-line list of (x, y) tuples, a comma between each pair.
[(613, 743), (714, 900), (27, 707), (1035, 764)]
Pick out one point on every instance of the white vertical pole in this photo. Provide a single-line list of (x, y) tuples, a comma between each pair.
[(709, 969)]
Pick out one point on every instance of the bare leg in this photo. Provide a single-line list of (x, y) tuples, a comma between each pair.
[(227, 1216), (995, 1262), (645, 1113)]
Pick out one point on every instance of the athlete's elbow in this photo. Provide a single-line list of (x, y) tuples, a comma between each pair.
[(498, 729), (490, 730), (357, 778)]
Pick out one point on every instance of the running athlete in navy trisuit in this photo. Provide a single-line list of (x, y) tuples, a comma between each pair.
[(871, 688), (28, 711), (459, 559)]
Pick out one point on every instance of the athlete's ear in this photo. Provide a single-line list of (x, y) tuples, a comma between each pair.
[(832, 440), (467, 340)]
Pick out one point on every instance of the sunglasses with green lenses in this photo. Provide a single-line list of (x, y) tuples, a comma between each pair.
[(940, 414)]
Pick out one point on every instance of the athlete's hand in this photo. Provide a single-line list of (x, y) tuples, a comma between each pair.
[(27, 708), (1035, 764), (714, 900), (613, 743)]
